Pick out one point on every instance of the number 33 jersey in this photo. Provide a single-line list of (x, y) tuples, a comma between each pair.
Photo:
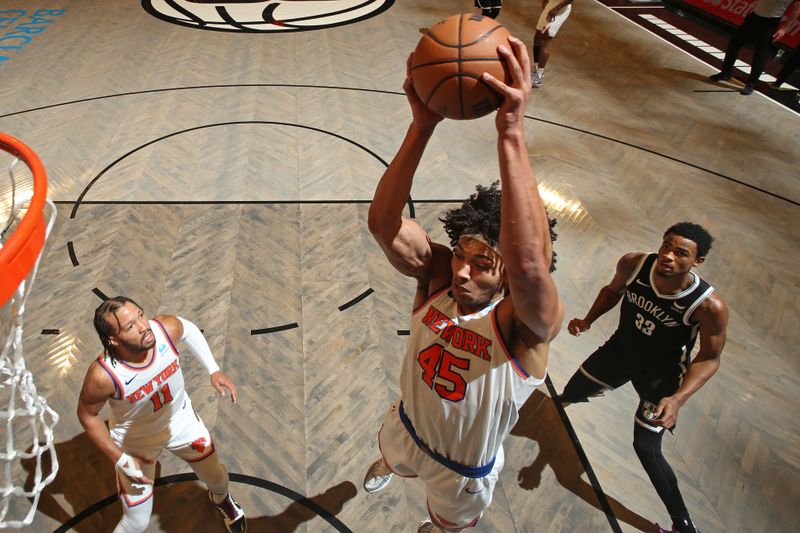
[(148, 397), (657, 328), (461, 385)]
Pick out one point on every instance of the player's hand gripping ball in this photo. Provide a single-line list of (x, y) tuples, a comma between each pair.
[(449, 61)]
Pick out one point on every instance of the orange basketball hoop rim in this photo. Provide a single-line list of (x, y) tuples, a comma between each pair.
[(20, 252)]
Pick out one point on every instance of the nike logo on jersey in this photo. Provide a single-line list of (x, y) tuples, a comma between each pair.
[(473, 491), (642, 283), (678, 307), (128, 382), (157, 381)]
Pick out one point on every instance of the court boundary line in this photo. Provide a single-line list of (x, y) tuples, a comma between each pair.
[(270, 486), (613, 10), (398, 93)]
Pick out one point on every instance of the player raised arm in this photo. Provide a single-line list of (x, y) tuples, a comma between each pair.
[(712, 315), (609, 296), (97, 388), (405, 243), (186, 331), (525, 243)]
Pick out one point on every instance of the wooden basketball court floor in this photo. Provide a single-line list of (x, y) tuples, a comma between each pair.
[(226, 177)]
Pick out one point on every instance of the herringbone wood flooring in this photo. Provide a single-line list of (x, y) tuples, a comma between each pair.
[(268, 147)]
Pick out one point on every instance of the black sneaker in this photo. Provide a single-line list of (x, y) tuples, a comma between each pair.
[(232, 514), (748, 89)]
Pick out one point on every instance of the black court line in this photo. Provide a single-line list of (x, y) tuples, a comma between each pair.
[(403, 332), (99, 294), (51, 331), (355, 300), (669, 157), (223, 13), (274, 329), (72, 256), (185, 12), (377, 91), (214, 125), (698, 26), (587, 467), (238, 478), (197, 87)]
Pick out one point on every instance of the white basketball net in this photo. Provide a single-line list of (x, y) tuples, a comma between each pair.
[(26, 421)]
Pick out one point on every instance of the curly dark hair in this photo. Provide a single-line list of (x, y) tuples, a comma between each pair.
[(480, 214), (695, 233)]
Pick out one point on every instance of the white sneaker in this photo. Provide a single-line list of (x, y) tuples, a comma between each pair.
[(536, 79), (426, 526), (377, 477)]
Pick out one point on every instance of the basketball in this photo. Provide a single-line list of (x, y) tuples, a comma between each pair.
[(449, 61)]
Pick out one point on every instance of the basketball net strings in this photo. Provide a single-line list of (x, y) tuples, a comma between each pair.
[(32, 408)]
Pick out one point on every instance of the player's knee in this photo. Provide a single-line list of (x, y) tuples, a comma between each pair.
[(643, 448), (647, 445)]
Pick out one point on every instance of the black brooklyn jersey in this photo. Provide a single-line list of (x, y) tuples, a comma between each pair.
[(655, 324)]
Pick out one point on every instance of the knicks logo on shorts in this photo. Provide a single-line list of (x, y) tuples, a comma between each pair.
[(264, 16), (199, 445)]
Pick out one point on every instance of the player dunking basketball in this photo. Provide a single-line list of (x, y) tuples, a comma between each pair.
[(474, 354), (664, 305), (139, 376)]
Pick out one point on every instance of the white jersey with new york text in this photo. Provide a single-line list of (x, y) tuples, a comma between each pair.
[(461, 386), (148, 397)]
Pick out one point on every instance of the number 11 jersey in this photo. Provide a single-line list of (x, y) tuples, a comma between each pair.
[(148, 397)]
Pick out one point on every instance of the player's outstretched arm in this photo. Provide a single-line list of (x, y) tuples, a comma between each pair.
[(525, 243), (97, 388), (186, 331), (712, 315), (404, 242), (609, 296)]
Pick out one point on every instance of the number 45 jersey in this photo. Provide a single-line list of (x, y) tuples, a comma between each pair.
[(150, 399), (656, 329), (461, 386)]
